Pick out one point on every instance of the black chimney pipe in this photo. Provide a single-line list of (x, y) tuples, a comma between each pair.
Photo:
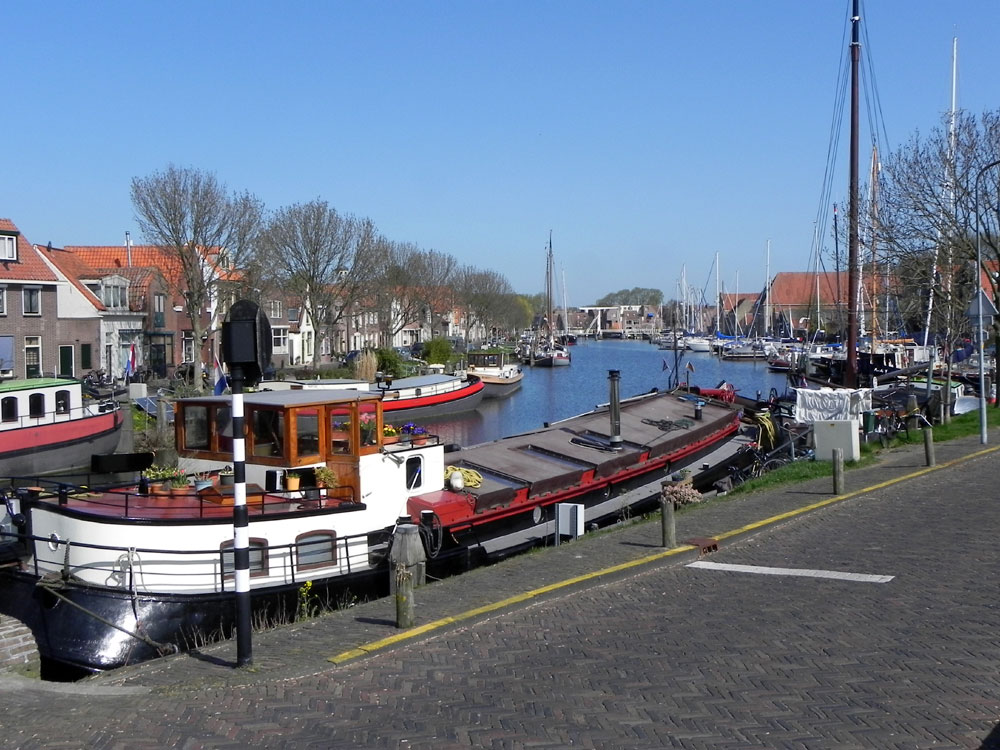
[(614, 376)]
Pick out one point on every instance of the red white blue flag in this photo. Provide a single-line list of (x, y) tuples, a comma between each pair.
[(130, 362), (219, 377)]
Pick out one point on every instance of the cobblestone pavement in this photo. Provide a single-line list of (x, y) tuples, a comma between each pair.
[(608, 642)]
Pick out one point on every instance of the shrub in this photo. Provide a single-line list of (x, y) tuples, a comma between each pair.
[(437, 351), (389, 362)]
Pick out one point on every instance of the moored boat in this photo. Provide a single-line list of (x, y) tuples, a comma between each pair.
[(416, 397), (48, 426), (105, 578), (499, 376)]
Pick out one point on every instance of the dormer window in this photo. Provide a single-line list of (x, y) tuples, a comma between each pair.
[(8, 247), (114, 294)]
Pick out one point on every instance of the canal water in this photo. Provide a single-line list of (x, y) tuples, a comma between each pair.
[(549, 394)]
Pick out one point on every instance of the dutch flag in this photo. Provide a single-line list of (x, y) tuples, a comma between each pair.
[(130, 363), (219, 377)]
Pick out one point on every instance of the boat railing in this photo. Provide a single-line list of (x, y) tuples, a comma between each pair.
[(153, 568), (189, 503)]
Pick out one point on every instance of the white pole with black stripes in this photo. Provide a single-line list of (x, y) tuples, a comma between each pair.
[(241, 529)]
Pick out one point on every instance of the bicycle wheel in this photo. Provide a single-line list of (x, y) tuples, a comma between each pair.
[(774, 463)]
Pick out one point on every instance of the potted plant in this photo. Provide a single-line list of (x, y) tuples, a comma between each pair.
[(227, 477), (415, 433), (390, 434), (292, 479), (325, 477), (202, 480), (178, 481)]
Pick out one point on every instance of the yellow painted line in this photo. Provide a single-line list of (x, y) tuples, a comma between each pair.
[(411, 633)]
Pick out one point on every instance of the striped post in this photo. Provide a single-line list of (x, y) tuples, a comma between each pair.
[(241, 528)]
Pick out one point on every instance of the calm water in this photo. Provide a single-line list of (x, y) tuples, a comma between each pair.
[(551, 394)]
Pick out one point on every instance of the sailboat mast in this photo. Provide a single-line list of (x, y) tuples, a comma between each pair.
[(548, 287), (767, 291), (718, 299), (851, 370)]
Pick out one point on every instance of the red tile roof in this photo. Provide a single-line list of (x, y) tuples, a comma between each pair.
[(29, 265), (108, 258), (74, 269)]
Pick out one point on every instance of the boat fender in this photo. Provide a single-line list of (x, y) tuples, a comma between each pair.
[(456, 482)]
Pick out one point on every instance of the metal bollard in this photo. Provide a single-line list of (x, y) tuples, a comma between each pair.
[(929, 446), (667, 524), (838, 471)]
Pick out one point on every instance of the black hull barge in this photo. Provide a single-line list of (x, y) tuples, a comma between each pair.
[(115, 576)]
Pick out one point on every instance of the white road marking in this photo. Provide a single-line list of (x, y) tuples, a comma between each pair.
[(761, 570)]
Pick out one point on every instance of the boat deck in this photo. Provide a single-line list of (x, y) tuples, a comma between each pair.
[(659, 429)]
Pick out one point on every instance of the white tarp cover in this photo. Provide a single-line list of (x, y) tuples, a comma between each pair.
[(827, 404)]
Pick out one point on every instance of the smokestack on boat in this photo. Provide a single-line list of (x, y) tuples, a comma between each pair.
[(614, 376)]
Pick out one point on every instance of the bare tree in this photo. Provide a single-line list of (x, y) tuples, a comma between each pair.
[(485, 296), (323, 258), (930, 210), (205, 230)]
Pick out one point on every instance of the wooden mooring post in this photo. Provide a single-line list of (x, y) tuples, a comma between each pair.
[(838, 471), (668, 526)]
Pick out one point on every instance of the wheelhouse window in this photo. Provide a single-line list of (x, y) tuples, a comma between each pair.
[(414, 472), (340, 431), (258, 558), (8, 409), (62, 402), (267, 432), (36, 405), (307, 432), (32, 300), (315, 549), (196, 428)]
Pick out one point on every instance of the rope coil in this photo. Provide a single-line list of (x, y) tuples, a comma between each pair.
[(470, 477)]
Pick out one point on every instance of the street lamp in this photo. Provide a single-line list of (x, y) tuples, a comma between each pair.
[(979, 308)]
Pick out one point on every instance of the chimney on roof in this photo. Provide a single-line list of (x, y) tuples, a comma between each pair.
[(128, 248)]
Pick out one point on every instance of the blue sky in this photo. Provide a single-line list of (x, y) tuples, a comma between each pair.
[(648, 136)]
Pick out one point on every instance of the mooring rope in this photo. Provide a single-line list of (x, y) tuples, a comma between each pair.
[(470, 477), (51, 584), (670, 424)]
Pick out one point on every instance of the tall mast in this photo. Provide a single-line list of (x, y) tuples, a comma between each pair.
[(548, 287), (718, 299), (851, 371), (767, 291)]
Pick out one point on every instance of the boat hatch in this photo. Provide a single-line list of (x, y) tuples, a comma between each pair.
[(556, 458), (496, 490)]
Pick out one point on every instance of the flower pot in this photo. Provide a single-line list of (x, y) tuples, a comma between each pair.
[(390, 439), (227, 480), (419, 440), (292, 483), (201, 484)]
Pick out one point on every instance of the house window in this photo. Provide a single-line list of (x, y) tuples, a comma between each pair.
[(315, 549), (8, 409), (32, 300), (258, 558), (32, 357), (8, 247), (86, 358), (3, 300), (115, 296), (62, 402), (159, 310), (279, 338), (275, 308)]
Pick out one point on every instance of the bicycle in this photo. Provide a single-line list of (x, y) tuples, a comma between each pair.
[(891, 424)]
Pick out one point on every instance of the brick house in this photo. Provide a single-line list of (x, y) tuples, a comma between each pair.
[(51, 325)]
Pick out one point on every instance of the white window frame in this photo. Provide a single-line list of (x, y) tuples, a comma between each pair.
[(279, 338), (8, 247), (276, 309), (3, 300)]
